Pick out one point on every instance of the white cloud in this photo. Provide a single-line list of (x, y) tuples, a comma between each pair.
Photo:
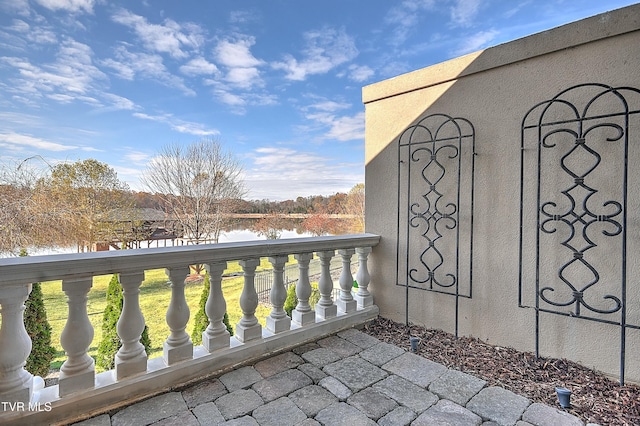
[(239, 100), (67, 99), (242, 66), (179, 125), (325, 49), (244, 78), (17, 142), (18, 7), (170, 37), (405, 17), (20, 26), (516, 9), (229, 98), (123, 68), (347, 128), (42, 36), (240, 77), (73, 6), (198, 66), (360, 73), (341, 128), (128, 65), (476, 42), (120, 102), (137, 156), (463, 12), (72, 76), (242, 17), (237, 54), (327, 105), (285, 173), (405, 12)]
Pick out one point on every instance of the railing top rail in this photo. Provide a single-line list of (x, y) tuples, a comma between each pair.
[(23, 270)]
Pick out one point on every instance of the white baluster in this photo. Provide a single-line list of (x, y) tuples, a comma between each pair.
[(178, 346), (131, 358), (346, 303), (363, 297), (303, 314), (278, 321), (78, 371), (325, 308), (249, 328), (216, 336), (16, 383)]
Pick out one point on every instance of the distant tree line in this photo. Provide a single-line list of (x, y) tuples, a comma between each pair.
[(196, 186), (331, 204)]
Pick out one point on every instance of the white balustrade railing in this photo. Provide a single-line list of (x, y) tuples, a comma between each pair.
[(80, 390)]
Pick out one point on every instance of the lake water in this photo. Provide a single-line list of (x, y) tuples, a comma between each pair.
[(232, 236), (248, 235)]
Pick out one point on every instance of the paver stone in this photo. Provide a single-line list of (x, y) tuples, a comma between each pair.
[(238, 403), (543, 415), (241, 378), (278, 364), (311, 399), (342, 414), (381, 353), (340, 346), (150, 411), (372, 403), (281, 384), (281, 412), (406, 393), (415, 368), (498, 405), (447, 413), (359, 338), (457, 386), (355, 372)]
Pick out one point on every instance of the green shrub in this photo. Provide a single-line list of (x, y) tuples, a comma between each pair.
[(292, 300), (38, 328), (110, 343), (201, 321)]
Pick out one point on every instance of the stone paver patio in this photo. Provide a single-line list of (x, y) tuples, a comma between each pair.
[(349, 379)]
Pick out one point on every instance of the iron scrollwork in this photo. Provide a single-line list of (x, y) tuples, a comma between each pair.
[(583, 140), (431, 162)]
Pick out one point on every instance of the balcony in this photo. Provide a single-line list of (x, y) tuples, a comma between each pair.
[(80, 390), (501, 204)]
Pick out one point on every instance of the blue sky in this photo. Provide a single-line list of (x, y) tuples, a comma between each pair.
[(276, 82)]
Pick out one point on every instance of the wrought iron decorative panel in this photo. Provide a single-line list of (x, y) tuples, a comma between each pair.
[(435, 206), (574, 169)]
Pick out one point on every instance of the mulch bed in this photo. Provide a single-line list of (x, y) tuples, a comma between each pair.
[(595, 398)]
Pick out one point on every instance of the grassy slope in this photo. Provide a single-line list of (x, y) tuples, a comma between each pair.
[(155, 295)]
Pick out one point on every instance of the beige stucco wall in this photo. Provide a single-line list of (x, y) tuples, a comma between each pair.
[(494, 89)]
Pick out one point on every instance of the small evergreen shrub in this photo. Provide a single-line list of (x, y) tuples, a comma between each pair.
[(110, 343), (292, 300), (201, 321), (38, 328)]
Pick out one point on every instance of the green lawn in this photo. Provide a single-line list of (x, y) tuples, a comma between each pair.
[(155, 295)]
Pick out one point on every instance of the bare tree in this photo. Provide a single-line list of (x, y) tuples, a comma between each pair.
[(23, 220), (198, 184)]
